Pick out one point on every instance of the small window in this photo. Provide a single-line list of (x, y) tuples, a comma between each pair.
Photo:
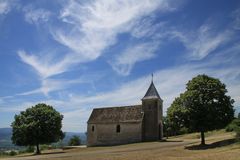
[(92, 128), (118, 128)]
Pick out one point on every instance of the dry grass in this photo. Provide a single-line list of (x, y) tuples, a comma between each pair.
[(220, 146)]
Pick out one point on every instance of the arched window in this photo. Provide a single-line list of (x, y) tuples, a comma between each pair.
[(118, 128), (92, 128)]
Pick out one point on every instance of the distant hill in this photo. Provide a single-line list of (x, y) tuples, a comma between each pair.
[(6, 143), (4, 133), (5, 139)]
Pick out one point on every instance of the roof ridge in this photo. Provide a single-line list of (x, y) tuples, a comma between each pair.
[(118, 106)]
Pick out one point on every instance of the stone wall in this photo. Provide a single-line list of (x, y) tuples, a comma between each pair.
[(106, 134), (150, 120), (152, 123)]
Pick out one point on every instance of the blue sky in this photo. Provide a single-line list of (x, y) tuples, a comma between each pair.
[(78, 55)]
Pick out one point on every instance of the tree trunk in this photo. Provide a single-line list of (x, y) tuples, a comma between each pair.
[(38, 150), (202, 138)]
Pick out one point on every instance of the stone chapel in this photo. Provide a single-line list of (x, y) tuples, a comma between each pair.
[(127, 124)]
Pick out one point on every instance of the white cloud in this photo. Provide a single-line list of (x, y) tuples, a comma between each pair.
[(124, 62), (46, 68), (96, 24), (202, 42), (36, 15), (146, 27), (107, 14), (51, 85), (4, 6), (75, 119), (92, 26), (236, 17), (44, 65)]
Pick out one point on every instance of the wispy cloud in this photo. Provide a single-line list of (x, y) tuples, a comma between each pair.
[(236, 17), (46, 69), (92, 27), (96, 24), (36, 16), (44, 65), (4, 7), (50, 85), (202, 42), (146, 27), (124, 62), (76, 119)]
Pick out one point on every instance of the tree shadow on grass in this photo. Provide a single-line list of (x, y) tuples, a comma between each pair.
[(222, 143), (169, 140), (59, 152), (34, 154)]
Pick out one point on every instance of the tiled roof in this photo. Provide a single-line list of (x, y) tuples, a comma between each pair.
[(117, 114)]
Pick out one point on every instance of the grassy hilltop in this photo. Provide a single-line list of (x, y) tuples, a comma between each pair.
[(220, 145)]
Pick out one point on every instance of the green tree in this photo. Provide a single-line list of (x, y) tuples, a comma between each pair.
[(166, 127), (177, 117), (74, 141), (207, 105), (40, 124)]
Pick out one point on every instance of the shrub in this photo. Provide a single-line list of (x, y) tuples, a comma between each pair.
[(44, 147), (30, 149), (184, 130), (234, 126), (12, 153), (74, 141), (230, 128)]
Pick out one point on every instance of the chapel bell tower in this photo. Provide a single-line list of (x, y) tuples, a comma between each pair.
[(153, 112)]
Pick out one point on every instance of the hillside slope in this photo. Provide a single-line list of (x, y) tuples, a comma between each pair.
[(220, 146)]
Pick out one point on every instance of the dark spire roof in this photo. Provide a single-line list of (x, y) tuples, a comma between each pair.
[(152, 92)]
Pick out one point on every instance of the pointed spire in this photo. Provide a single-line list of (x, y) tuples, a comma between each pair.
[(152, 92)]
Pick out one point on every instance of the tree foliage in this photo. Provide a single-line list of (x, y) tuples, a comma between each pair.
[(234, 126), (208, 105), (74, 141), (40, 124), (204, 106), (177, 117)]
